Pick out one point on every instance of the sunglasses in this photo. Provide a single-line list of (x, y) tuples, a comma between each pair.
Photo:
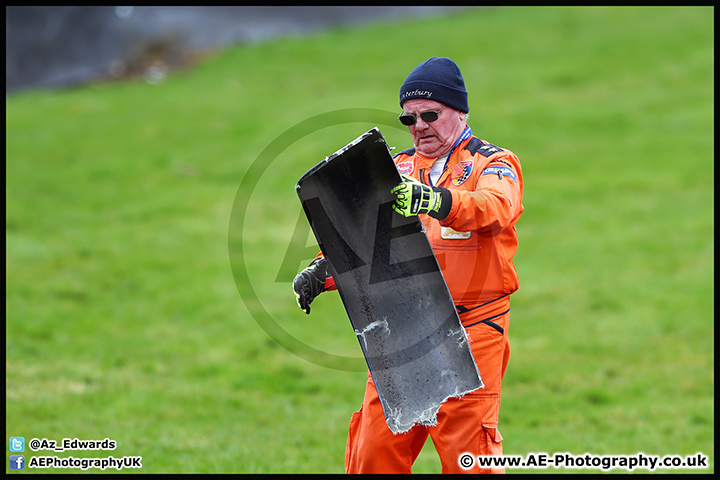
[(427, 116)]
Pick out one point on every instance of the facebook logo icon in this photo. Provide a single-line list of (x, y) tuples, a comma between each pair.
[(17, 462)]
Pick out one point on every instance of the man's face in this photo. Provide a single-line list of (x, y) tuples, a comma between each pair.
[(434, 139)]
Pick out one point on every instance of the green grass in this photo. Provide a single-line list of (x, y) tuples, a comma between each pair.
[(131, 317)]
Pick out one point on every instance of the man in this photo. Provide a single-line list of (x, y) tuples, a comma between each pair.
[(468, 196)]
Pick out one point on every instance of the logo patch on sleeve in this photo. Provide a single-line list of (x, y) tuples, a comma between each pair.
[(406, 168), (462, 171), (501, 171)]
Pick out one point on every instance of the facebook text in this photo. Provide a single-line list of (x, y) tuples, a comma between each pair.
[(85, 463)]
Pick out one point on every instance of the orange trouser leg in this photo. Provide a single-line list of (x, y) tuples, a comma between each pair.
[(470, 424), (372, 447), (465, 425)]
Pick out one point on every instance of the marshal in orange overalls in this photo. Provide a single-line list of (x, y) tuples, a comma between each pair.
[(474, 246)]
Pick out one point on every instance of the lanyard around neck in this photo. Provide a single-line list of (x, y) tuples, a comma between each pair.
[(467, 133)]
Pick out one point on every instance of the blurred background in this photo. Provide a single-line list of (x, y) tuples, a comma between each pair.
[(50, 46), (153, 229)]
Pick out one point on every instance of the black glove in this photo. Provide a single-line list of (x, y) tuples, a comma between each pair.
[(309, 283)]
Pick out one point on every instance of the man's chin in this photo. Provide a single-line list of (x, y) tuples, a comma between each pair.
[(427, 152), (427, 149)]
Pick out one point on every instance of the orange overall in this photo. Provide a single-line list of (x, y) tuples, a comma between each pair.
[(474, 246)]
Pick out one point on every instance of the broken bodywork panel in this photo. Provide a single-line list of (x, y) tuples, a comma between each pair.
[(389, 282)]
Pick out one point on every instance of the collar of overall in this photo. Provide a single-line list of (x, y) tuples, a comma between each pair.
[(467, 133)]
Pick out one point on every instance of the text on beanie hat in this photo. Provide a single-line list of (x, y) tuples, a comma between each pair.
[(439, 79)]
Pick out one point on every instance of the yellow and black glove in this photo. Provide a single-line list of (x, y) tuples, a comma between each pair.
[(415, 198)]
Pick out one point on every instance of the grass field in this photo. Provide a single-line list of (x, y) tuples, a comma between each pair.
[(152, 232)]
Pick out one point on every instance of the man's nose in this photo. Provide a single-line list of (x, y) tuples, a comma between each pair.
[(421, 124)]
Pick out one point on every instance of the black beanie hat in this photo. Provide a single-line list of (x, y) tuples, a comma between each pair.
[(439, 79)]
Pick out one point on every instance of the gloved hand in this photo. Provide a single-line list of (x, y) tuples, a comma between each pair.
[(414, 198), (309, 283)]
